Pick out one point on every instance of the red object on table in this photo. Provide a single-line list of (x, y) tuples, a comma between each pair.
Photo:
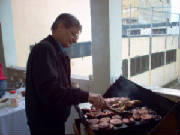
[(12, 91)]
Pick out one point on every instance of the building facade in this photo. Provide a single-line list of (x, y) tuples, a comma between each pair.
[(142, 11)]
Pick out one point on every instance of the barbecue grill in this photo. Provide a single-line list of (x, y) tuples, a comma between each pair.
[(166, 109)]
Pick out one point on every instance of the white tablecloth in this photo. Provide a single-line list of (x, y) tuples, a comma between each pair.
[(13, 119)]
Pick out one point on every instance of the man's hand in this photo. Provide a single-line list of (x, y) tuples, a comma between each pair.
[(97, 100)]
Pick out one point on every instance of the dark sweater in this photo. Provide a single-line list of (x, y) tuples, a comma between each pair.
[(49, 94)]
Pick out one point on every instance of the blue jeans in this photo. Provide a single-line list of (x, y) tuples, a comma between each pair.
[(3, 86)]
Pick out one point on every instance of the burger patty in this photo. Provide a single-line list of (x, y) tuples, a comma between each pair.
[(105, 119), (116, 122), (93, 121)]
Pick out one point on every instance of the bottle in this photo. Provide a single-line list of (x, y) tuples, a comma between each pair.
[(13, 98)]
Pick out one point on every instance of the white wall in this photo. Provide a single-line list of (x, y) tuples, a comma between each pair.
[(6, 21), (32, 21), (124, 48), (158, 44), (139, 46), (172, 42)]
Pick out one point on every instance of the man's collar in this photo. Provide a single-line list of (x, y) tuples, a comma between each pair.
[(61, 46)]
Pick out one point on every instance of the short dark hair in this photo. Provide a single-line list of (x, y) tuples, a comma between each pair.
[(68, 21)]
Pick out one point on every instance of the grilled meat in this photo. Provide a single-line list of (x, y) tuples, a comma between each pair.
[(116, 122)]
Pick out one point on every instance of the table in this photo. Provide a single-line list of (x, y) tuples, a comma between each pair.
[(13, 119)]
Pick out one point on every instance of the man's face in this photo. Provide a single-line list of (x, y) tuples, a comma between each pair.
[(66, 36)]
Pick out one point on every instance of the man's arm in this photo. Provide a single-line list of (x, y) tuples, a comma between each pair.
[(46, 80)]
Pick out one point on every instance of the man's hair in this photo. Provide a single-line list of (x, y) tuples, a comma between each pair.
[(68, 20)]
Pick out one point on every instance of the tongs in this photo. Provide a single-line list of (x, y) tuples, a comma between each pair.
[(115, 110), (112, 109), (122, 106)]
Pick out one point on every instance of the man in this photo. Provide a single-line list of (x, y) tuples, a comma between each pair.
[(49, 94)]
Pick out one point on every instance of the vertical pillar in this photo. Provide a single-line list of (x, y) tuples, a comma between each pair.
[(106, 42), (9, 42), (179, 53)]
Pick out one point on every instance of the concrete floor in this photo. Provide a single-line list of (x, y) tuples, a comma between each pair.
[(174, 84)]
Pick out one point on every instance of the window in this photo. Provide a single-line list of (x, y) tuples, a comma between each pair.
[(125, 68), (134, 32), (128, 21), (159, 31), (170, 56), (157, 60), (139, 65)]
